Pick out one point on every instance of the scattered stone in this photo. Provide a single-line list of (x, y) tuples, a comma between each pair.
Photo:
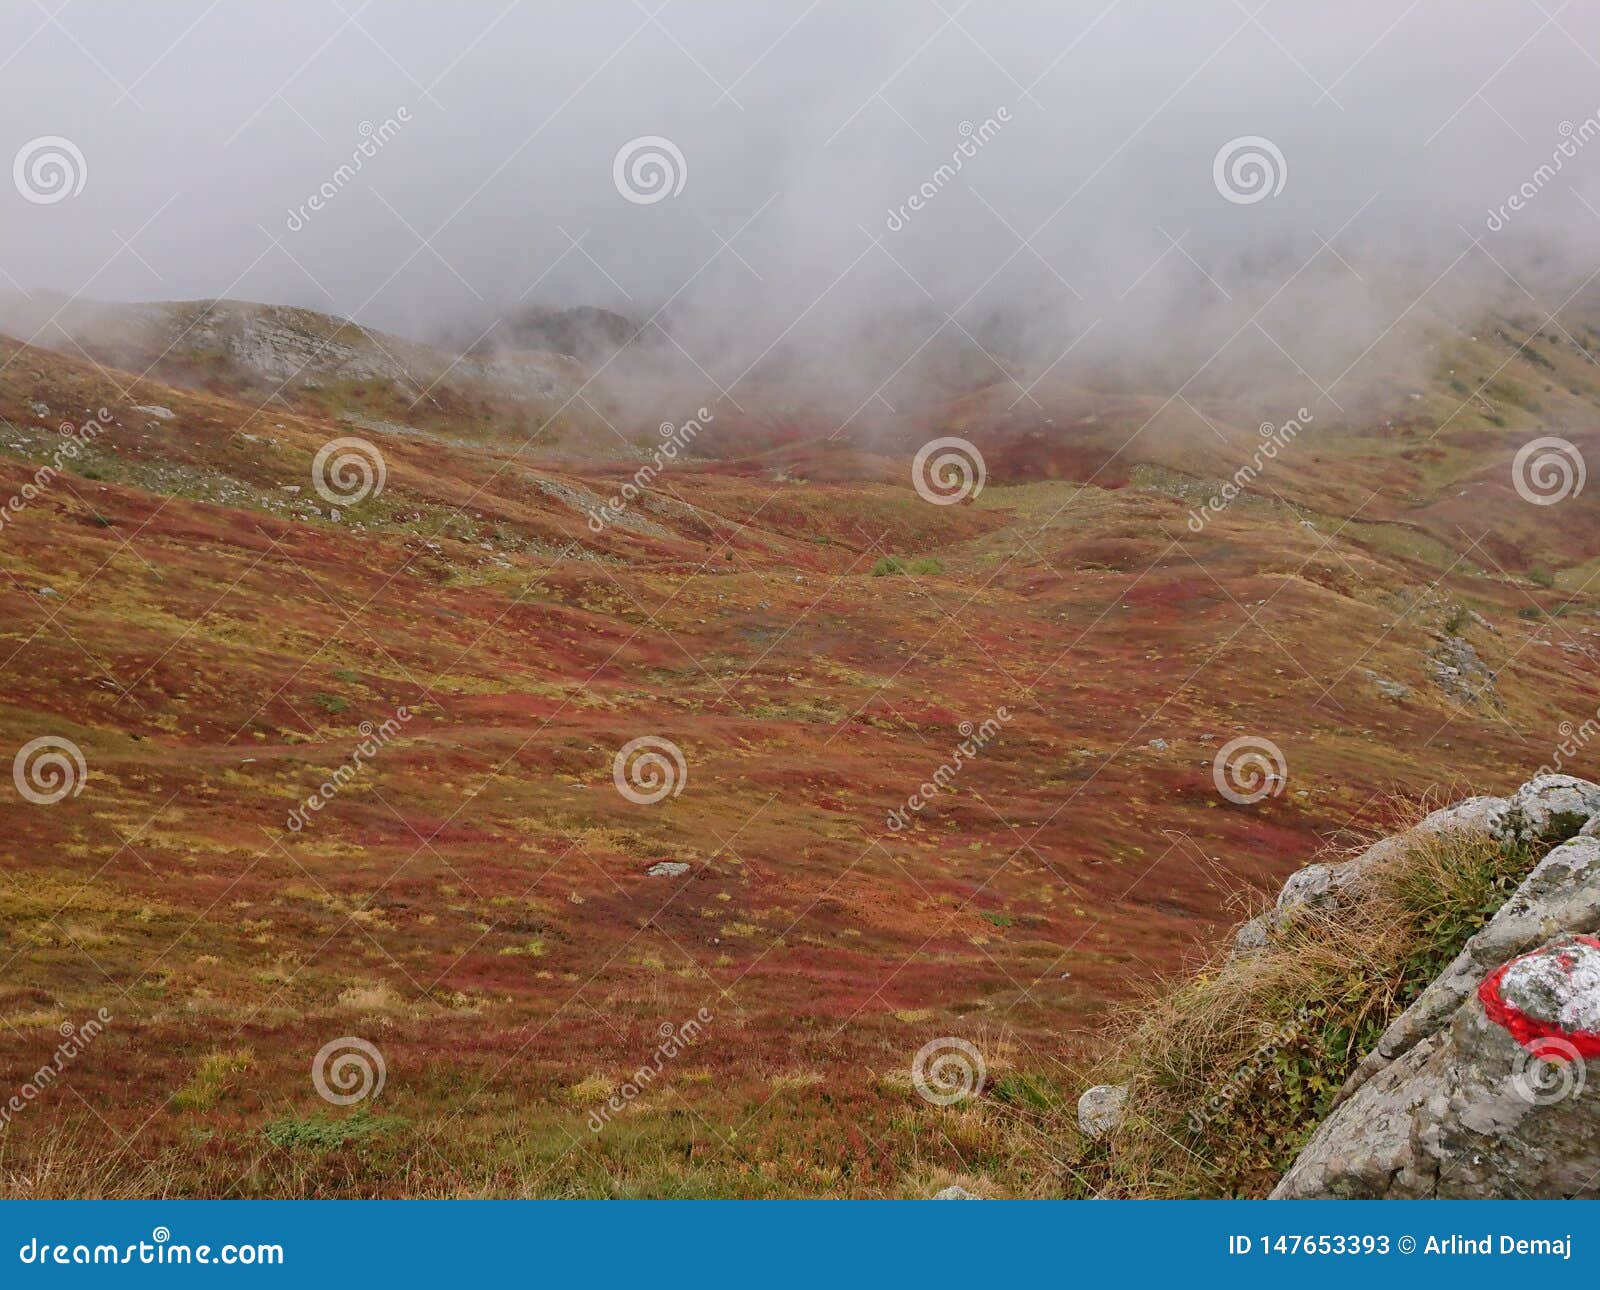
[(1386, 687), (1158, 744), (955, 1193), (667, 869), (1253, 936), (1457, 670), (154, 410), (1551, 808), (1100, 1109)]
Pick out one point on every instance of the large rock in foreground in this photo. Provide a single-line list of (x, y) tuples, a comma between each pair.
[(1481, 1088)]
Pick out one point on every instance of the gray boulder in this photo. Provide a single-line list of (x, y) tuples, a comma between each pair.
[(1449, 1102), (1100, 1109), (1470, 1112), (1551, 808), (1562, 894), (1478, 814), (955, 1193)]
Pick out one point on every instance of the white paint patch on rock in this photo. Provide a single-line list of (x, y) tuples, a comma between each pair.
[(1561, 987)]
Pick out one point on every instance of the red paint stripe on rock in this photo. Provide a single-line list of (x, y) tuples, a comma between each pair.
[(1530, 1031)]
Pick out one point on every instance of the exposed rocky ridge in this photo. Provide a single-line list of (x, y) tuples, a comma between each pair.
[(1478, 1088), (280, 346)]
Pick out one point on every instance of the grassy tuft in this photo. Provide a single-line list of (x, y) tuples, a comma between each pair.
[(1232, 1072)]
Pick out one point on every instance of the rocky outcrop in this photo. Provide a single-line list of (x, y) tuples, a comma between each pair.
[(1479, 1088), (1493, 1105), (1457, 670), (1546, 809)]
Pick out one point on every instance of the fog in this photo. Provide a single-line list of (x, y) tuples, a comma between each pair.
[(817, 225)]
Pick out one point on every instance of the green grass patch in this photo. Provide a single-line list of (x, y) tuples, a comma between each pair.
[(325, 1132), (894, 566)]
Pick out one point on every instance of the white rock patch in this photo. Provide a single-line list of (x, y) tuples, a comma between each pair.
[(1560, 986)]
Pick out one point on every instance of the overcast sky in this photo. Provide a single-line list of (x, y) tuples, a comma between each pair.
[(1091, 205)]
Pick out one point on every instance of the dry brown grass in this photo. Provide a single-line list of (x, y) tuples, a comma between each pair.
[(1230, 1072)]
